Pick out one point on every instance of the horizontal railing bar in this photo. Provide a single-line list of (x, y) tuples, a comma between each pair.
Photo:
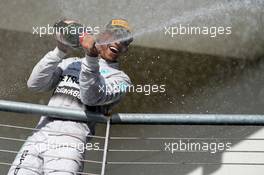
[(51, 131), (63, 113), (185, 163), (45, 169), (53, 156), (184, 138), (134, 118), (188, 119)]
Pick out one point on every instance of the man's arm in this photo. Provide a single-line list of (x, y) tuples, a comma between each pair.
[(46, 73), (97, 90)]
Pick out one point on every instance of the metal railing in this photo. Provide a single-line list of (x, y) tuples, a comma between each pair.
[(169, 119), (133, 118)]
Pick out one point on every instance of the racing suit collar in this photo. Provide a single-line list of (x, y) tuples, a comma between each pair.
[(114, 65)]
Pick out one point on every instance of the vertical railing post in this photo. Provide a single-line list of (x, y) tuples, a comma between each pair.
[(107, 133)]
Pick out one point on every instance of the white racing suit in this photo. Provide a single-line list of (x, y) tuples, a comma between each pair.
[(87, 84)]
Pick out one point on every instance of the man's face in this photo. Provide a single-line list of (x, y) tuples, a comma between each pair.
[(110, 49)]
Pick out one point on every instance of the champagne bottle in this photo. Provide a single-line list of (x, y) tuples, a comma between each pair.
[(68, 32)]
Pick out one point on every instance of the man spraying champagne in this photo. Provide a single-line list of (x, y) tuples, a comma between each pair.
[(77, 83)]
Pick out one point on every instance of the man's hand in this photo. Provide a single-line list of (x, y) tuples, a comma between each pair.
[(88, 43)]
